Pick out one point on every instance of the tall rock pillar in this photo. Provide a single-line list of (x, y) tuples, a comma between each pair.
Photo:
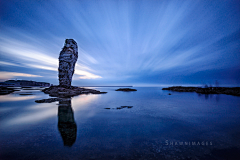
[(67, 60)]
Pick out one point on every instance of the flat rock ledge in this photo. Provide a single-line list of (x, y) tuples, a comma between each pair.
[(61, 92), (126, 89), (49, 100), (235, 91), (6, 90)]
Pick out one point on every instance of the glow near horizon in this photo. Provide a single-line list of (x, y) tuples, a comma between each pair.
[(122, 41)]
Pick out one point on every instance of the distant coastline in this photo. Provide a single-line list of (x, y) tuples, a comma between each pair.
[(24, 83)]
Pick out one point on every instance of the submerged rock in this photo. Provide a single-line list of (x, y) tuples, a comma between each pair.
[(120, 107), (124, 107), (26, 94), (126, 89)]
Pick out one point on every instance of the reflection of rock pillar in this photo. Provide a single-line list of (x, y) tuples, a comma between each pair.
[(67, 59), (66, 123)]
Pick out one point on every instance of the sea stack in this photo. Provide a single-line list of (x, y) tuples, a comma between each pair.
[(67, 60)]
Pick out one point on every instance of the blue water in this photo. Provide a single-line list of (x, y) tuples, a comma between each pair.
[(158, 126)]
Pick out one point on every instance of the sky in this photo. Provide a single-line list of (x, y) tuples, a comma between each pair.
[(125, 42)]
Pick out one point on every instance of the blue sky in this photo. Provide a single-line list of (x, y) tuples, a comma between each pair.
[(125, 42)]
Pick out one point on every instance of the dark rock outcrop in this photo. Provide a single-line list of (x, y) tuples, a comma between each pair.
[(49, 100), (126, 89), (67, 60), (6, 90), (210, 90), (61, 92)]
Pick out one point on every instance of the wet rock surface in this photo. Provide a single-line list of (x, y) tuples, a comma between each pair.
[(126, 89), (6, 90), (49, 100), (61, 92), (210, 90)]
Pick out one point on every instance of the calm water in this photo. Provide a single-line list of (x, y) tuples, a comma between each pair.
[(158, 126)]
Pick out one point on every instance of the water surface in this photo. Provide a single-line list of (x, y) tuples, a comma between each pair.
[(154, 125)]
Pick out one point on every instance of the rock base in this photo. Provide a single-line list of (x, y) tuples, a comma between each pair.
[(61, 92)]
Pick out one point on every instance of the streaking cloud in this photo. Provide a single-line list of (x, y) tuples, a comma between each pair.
[(125, 41), (10, 75), (37, 58)]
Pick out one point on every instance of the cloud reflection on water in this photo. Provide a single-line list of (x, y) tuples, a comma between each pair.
[(12, 97), (39, 112)]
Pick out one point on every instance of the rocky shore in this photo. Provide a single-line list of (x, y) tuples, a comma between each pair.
[(6, 90), (209, 90)]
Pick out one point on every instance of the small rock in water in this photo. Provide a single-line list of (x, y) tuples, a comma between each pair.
[(120, 107), (126, 89)]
